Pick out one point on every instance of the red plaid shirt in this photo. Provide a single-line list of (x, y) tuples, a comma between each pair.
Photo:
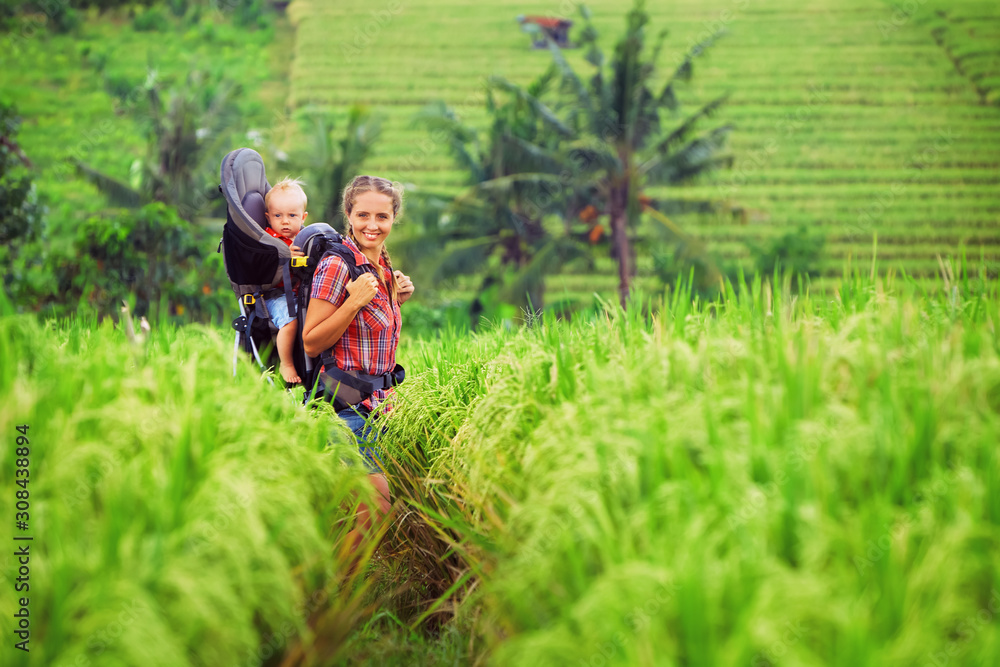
[(369, 342)]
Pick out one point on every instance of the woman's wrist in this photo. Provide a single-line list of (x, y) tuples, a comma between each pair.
[(353, 304)]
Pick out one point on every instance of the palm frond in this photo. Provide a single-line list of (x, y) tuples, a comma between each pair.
[(464, 257), (661, 39), (472, 214), (521, 155), (572, 83), (322, 144), (504, 184), (528, 277), (668, 96), (117, 192), (441, 119), (682, 132), (541, 111), (589, 156), (540, 86), (416, 255), (594, 55), (688, 249), (697, 157), (363, 131)]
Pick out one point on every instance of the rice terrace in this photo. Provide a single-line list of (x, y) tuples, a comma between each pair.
[(702, 360)]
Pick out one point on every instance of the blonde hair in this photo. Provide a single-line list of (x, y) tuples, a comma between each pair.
[(361, 185), (290, 185)]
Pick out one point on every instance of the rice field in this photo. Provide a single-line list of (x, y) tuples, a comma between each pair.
[(770, 478), (853, 118), (177, 515), (783, 475)]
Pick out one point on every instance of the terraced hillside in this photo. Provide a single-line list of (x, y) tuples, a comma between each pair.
[(851, 117)]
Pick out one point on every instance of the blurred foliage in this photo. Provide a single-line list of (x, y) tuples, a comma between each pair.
[(584, 161), (20, 211), (332, 162), (422, 320), (187, 128), (497, 228), (147, 15), (29, 16), (151, 19), (146, 120), (547, 505), (197, 519), (149, 257), (797, 252), (679, 256), (626, 135), (675, 263)]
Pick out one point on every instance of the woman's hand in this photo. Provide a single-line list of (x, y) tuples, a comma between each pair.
[(404, 286), (363, 289)]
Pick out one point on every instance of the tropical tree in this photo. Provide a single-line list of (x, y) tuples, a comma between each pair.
[(497, 227), (331, 162), (187, 130), (20, 212), (623, 140)]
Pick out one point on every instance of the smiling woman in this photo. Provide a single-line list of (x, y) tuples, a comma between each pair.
[(359, 320)]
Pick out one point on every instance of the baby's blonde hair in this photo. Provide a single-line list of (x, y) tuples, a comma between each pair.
[(286, 184)]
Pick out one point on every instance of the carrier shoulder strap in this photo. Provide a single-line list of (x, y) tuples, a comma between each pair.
[(347, 388), (314, 385)]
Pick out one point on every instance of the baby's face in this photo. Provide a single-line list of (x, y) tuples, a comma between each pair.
[(285, 214)]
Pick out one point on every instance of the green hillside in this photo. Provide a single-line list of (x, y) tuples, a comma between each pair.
[(82, 95), (851, 117)]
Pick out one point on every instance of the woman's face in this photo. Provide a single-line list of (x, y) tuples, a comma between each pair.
[(371, 221)]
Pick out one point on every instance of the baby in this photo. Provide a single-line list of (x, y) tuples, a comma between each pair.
[(285, 210)]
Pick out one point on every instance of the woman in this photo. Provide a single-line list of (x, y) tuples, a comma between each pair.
[(360, 319)]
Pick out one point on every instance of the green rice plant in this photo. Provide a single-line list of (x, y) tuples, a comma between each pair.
[(179, 515), (771, 477)]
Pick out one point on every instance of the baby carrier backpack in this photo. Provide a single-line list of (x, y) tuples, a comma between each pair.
[(257, 263)]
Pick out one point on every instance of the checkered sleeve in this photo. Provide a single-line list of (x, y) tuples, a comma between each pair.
[(330, 281)]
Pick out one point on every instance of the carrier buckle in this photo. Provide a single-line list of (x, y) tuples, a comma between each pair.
[(249, 300), (299, 261)]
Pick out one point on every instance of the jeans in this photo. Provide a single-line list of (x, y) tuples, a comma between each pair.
[(367, 435)]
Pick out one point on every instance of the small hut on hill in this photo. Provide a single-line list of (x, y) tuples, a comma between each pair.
[(556, 29)]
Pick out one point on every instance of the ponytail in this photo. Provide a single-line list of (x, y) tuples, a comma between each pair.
[(392, 274)]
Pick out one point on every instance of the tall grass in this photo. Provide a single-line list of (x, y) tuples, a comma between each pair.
[(179, 516), (769, 478)]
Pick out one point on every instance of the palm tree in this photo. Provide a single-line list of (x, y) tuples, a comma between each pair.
[(333, 162), (621, 140), (186, 133), (498, 223)]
